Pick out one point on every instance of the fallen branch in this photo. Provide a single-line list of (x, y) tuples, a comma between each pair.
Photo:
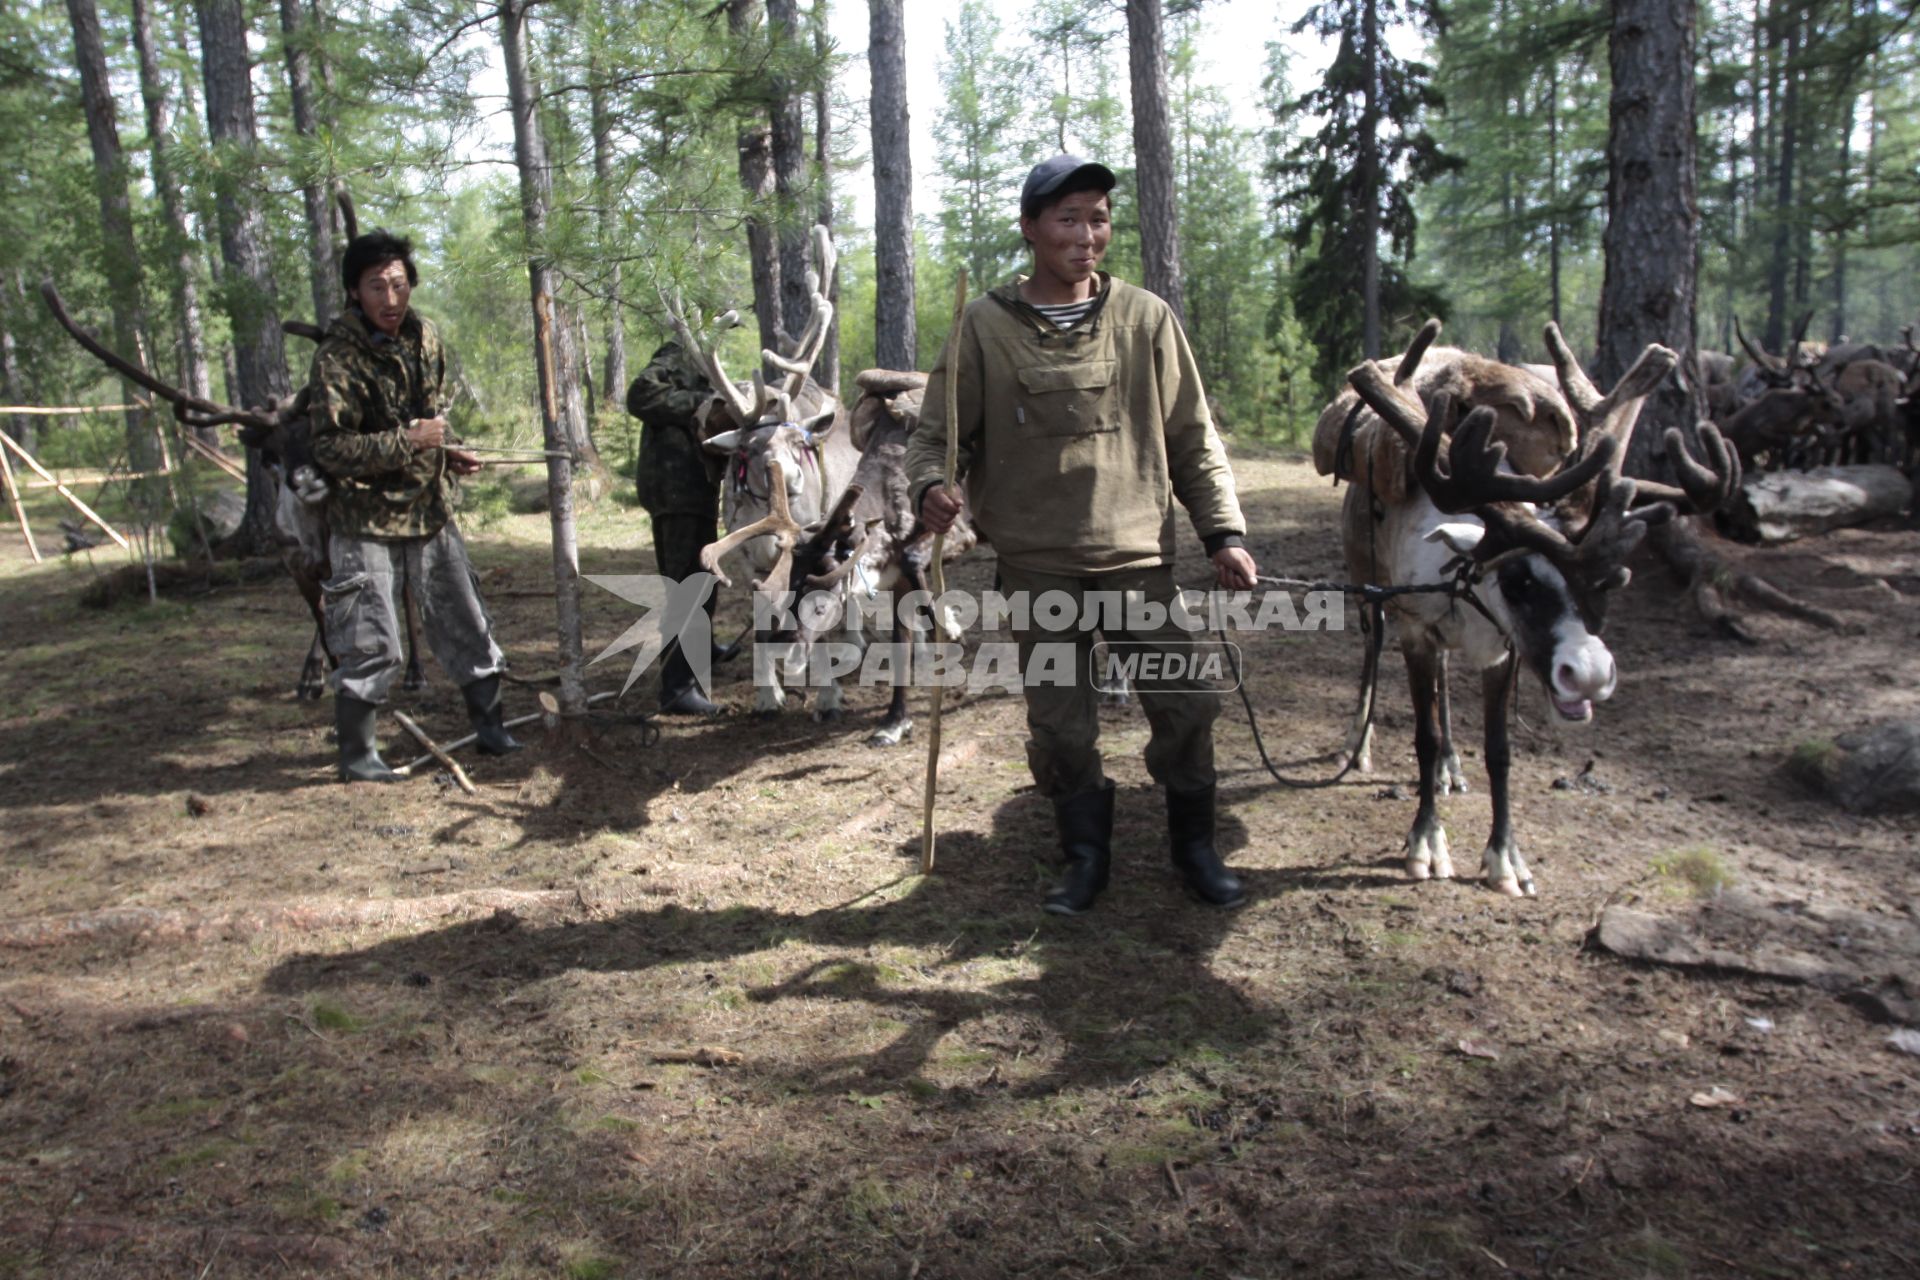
[(438, 752), (514, 723), (1710, 581), (167, 924)]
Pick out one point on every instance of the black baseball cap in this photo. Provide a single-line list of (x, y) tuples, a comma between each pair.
[(1050, 175)]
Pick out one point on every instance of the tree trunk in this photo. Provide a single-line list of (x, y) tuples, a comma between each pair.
[(1370, 178), (120, 256), (14, 386), (315, 189), (757, 180), (1780, 263), (896, 344), (615, 381), (178, 248), (826, 370), (1153, 154), (787, 109), (1553, 191), (259, 354), (1652, 216), (559, 392)]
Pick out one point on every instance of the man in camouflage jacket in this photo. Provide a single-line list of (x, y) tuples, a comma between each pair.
[(679, 485), (377, 392)]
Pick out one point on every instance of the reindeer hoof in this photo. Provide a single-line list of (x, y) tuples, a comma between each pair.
[(413, 682), (830, 715), (890, 735)]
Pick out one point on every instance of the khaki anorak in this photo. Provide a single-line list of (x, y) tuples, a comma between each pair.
[(366, 388), (1075, 443)]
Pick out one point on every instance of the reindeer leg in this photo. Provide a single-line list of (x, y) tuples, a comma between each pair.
[(1506, 871), (313, 672), (1358, 750), (1452, 777), (768, 666), (1427, 854), (312, 685), (414, 678), (897, 727)]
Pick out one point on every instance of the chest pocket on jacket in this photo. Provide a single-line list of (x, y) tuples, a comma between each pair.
[(1074, 399)]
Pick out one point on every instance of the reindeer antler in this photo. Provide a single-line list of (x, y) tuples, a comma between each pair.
[(746, 409), (189, 409), (1471, 476), (813, 335), (838, 525), (1707, 481), (777, 522)]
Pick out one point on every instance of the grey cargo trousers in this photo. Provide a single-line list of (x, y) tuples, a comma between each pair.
[(1063, 718), (363, 603)]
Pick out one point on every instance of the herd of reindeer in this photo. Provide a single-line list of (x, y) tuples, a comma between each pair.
[(1819, 404), (1504, 480)]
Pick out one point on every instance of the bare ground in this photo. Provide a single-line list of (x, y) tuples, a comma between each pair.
[(686, 1008)]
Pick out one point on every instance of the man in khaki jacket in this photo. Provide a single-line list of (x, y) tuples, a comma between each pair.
[(1081, 421)]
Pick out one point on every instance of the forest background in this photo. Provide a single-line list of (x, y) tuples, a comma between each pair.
[(171, 165)]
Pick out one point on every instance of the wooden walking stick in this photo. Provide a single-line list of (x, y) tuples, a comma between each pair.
[(939, 575)]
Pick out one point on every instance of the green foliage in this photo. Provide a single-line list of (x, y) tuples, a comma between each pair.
[(1370, 152), (985, 149)]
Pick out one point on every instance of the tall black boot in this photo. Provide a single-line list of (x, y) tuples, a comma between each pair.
[(359, 756), (483, 709), (1190, 826), (1086, 837), (679, 692)]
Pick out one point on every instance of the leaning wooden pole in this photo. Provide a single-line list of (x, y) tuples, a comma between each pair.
[(952, 362), (12, 485)]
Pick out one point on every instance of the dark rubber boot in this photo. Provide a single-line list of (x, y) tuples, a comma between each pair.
[(679, 692), (1086, 837), (1190, 826), (359, 756), (483, 709)]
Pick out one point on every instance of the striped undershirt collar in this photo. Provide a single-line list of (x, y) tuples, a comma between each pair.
[(1065, 315)]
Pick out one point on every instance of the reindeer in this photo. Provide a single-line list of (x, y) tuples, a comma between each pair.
[(869, 546), (1537, 558), (786, 435), (1794, 409)]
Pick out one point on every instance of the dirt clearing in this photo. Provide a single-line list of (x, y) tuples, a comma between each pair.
[(686, 1009)]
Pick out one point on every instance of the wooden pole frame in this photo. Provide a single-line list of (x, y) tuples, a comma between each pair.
[(8, 442), (12, 486)]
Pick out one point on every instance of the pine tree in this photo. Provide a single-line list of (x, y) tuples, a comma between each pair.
[(982, 152), (1350, 185)]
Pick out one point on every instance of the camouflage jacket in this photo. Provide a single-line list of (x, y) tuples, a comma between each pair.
[(366, 387), (675, 475)]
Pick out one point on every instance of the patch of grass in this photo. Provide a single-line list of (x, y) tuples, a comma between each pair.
[(870, 1201), (590, 1266), (619, 1124), (329, 1016), (1169, 1140), (1699, 870), (592, 1075), (348, 1168), (1443, 1245), (205, 1154), (1660, 1257), (174, 1109)]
